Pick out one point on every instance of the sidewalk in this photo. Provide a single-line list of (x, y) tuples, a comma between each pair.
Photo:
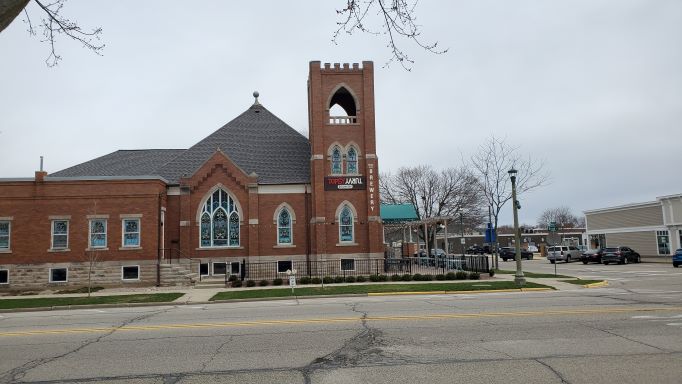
[(192, 295)]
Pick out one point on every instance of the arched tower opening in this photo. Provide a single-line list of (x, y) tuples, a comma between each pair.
[(342, 108)]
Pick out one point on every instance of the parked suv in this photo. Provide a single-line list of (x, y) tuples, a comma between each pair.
[(677, 258), (510, 253), (592, 256), (562, 253), (478, 250), (620, 255)]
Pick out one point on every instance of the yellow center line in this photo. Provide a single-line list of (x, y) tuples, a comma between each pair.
[(440, 316)]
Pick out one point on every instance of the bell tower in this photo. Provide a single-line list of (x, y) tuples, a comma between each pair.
[(344, 171)]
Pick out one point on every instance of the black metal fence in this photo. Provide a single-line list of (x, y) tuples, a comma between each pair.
[(268, 270)]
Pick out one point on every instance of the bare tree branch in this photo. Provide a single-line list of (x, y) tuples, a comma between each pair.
[(398, 20)]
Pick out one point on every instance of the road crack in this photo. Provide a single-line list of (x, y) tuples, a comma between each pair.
[(20, 372), (554, 371), (215, 354), (363, 348)]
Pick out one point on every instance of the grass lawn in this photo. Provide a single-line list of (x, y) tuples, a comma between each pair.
[(372, 288), (582, 282), (84, 300), (533, 274)]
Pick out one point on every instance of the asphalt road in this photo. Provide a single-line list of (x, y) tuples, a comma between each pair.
[(630, 332)]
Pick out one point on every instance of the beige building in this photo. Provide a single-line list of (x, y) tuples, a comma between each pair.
[(652, 229)]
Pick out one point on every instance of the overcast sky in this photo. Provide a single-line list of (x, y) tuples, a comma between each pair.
[(592, 88)]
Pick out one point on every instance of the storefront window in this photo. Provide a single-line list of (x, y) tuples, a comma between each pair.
[(663, 241)]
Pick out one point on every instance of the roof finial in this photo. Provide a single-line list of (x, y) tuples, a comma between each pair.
[(256, 94)]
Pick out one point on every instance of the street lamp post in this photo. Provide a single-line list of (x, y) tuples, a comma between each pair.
[(519, 279), (426, 229), (461, 224)]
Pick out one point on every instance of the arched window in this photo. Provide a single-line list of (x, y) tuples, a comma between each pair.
[(346, 225), (336, 161), (284, 227), (352, 161), (219, 225)]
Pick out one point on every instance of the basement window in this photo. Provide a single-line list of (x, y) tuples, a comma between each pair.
[(283, 266), (59, 275), (130, 272), (4, 276)]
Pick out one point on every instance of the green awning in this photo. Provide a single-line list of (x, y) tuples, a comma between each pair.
[(394, 213)]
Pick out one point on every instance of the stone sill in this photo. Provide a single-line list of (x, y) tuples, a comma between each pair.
[(129, 248), (217, 248), (5, 251), (346, 244), (284, 246), (97, 249), (56, 250)]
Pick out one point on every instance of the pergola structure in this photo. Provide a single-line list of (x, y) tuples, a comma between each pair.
[(404, 216)]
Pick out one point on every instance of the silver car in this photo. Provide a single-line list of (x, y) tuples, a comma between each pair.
[(563, 253)]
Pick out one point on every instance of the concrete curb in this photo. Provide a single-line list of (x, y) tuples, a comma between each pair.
[(461, 292), (600, 284)]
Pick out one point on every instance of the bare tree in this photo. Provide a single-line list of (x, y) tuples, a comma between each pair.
[(492, 162), (52, 25), (397, 20), (435, 194), (562, 216), (91, 257)]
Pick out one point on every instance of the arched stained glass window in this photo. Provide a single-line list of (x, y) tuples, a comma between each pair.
[(219, 225), (284, 227), (336, 161), (346, 225), (352, 161)]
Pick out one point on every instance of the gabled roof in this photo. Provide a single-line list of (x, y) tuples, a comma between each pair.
[(123, 163), (257, 141)]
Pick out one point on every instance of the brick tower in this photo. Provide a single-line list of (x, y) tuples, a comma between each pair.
[(344, 172)]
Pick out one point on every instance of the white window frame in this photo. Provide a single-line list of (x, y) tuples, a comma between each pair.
[(68, 226), (346, 270), (60, 281), (7, 282), (130, 266), (106, 238), (9, 236), (124, 233), (213, 263), (665, 233)]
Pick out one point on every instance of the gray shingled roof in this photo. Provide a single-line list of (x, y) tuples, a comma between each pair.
[(257, 141), (141, 162)]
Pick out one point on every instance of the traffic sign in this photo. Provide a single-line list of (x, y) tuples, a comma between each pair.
[(552, 227)]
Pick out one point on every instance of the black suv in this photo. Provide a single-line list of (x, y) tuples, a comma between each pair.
[(510, 253), (478, 250), (620, 255), (592, 255)]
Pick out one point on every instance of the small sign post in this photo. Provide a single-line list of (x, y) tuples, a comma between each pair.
[(292, 280)]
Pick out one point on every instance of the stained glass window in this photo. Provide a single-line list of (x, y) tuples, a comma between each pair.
[(60, 234), (336, 161), (98, 233), (4, 234), (284, 227), (352, 161), (219, 225), (131, 232), (346, 225)]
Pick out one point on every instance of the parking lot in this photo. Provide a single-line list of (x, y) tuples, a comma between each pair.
[(632, 276)]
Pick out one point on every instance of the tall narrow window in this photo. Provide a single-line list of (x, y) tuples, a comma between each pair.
[(352, 161), (60, 234), (336, 161), (98, 233), (663, 240), (284, 227), (219, 223), (4, 235), (131, 232), (346, 225)]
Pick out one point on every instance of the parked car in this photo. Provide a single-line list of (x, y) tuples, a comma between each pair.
[(509, 253), (582, 248), (478, 250), (592, 256), (677, 258), (562, 253), (620, 255)]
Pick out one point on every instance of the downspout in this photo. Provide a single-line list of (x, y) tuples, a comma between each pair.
[(307, 230), (158, 243)]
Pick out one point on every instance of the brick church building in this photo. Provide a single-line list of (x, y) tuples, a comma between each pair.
[(254, 190)]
